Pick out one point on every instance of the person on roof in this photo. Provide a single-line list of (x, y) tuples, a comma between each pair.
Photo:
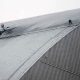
[(70, 22), (2, 26)]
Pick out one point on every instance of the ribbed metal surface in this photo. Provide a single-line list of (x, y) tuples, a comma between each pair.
[(61, 62)]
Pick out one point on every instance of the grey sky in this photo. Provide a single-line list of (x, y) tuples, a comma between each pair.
[(18, 9)]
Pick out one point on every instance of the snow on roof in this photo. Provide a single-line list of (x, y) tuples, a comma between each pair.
[(18, 54)]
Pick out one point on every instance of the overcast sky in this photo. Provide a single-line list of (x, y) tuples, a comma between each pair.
[(19, 9)]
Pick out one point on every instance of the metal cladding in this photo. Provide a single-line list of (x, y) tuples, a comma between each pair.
[(60, 62)]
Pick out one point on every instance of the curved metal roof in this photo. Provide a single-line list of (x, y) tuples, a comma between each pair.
[(18, 54)]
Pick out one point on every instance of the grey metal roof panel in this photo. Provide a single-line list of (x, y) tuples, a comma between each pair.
[(66, 53), (41, 71), (60, 62)]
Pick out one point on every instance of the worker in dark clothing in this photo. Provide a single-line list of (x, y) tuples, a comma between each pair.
[(70, 22), (2, 26)]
